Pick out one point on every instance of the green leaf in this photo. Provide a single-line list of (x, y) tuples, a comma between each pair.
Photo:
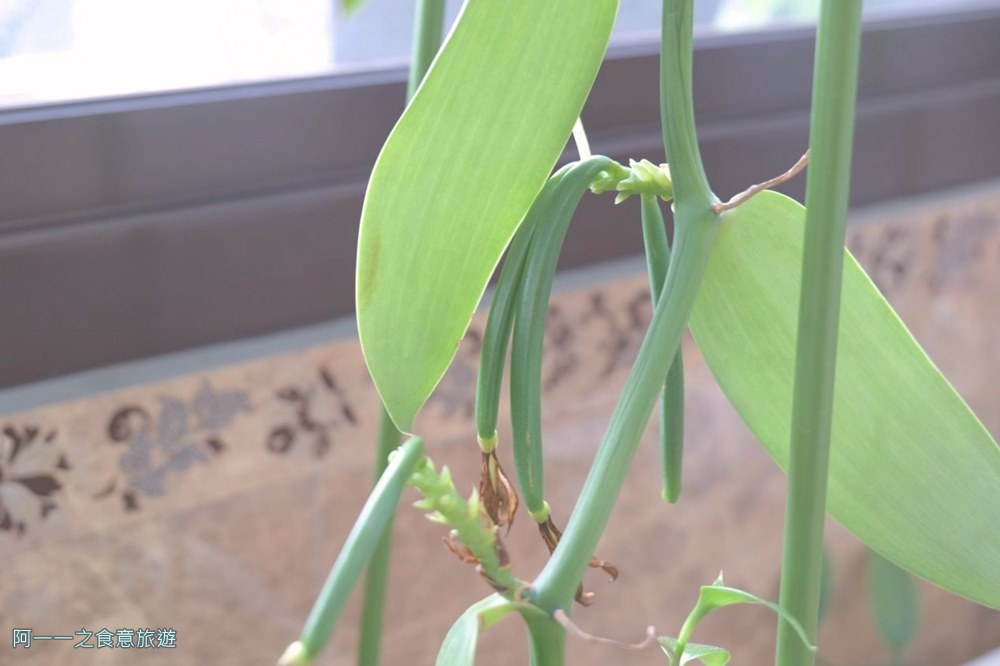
[(718, 595), (913, 473), (457, 174), (710, 598), (706, 654), (894, 602), (459, 647)]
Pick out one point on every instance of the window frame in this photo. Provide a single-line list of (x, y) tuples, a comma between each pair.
[(144, 225)]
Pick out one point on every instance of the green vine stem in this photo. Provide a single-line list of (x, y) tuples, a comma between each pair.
[(547, 641), (696, 224), (550, 216), (654, 237), (555, 586), (358, 548), (680, 137), (827, 189), (377, 576), (426, 41), (496, 337)]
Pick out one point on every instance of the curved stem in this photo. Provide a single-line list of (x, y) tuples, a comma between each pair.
[(696, 225), (654, 236), (550, 216), (556, 585), (496, 334), (358, 548), (677, 106), (827, 188)]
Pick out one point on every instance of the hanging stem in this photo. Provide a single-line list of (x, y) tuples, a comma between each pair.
[(696, 225), (827, 189), (557, 583), (654, 237), (428, 27)]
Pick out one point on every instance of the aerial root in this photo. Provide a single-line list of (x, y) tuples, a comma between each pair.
[(760, 187), (564, 620)]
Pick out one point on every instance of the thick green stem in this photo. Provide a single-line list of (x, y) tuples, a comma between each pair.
[(377, 576), (428, 26), (831, 136), (555, 586), (677, 106), (696, 225), (547, 641)]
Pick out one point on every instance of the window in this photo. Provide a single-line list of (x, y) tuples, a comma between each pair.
[(180, 186), (63, 50)]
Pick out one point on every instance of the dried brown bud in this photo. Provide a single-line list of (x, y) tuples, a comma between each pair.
[(551, 536), (459, 549), (608, 568), (496, 493), (466, 556)]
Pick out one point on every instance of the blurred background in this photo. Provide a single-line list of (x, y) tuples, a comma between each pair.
[(63, 50), (185, 418)]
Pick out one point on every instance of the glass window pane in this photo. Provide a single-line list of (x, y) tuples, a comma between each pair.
[(60, 50), (639, 19)]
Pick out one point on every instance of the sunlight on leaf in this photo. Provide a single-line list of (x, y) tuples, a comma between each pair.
[(456, 176), (913, 473)]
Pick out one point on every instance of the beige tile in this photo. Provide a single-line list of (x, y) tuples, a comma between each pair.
[(215, 503)]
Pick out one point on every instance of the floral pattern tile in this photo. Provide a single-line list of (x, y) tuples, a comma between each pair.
[(242, 480)]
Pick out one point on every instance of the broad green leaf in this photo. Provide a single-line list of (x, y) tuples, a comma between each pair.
[(706, 654), (459, 646), (913, 473), (457, 174), (894, 602)]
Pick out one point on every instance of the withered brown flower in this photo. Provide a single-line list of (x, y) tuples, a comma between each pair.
[(551, 536), (497, 494), (453, 543)]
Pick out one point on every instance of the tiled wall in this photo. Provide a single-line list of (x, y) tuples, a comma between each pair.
[(214, 503)]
